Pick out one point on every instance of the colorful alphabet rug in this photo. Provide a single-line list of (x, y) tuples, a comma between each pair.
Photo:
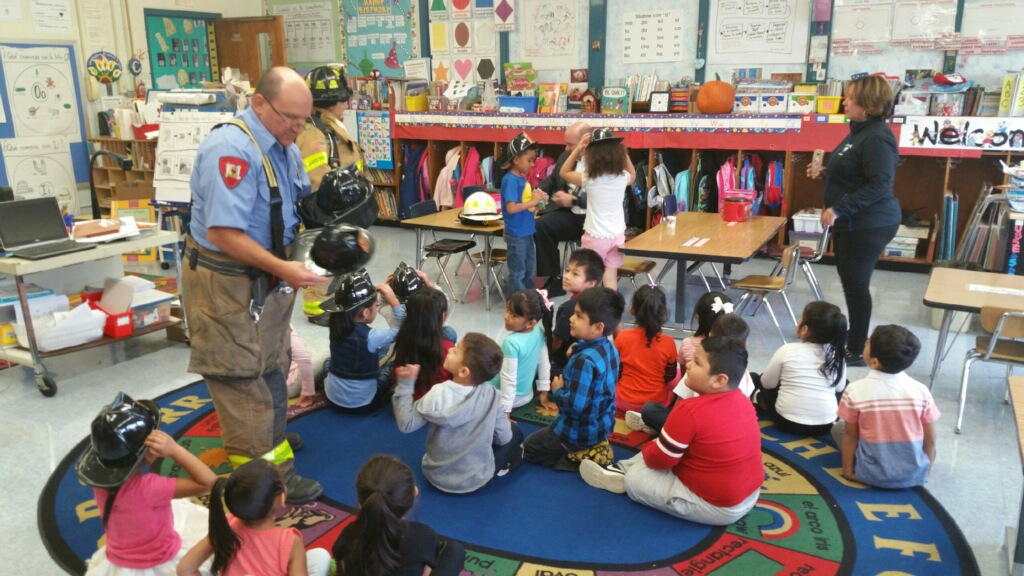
[(539, 522)]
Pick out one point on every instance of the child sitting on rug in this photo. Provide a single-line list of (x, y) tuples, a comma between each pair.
[(706, 464), (583, 271), (470, 440), (248, 540), (585, 392), (140, 511), (406, 280), (707, 309), (525, 350), (380, 540), (421, 339), (649, 369), (801, 385), (887, 431), (353, 379)]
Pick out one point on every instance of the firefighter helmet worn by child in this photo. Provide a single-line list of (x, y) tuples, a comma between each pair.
[(116, 446)]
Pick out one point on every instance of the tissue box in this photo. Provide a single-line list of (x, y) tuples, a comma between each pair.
[(801, 103), (771, 104), (746, 103)]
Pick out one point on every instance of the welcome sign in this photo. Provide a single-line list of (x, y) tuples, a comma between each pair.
[(962, 132)]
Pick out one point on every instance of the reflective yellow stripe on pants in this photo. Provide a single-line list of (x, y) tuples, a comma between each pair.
[(279, 455)]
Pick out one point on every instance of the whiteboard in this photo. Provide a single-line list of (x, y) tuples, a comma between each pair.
[(988, 20), (752, 32), (869, 23), (923, 20)]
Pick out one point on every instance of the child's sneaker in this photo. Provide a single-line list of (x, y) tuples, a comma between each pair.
[(636, 422), (611, 477)]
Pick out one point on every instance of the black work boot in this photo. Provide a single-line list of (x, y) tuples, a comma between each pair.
[(294, 440), (300, 490)]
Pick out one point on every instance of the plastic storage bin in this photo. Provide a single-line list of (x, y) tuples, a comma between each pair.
[(527, 103), (805, 239), (828, 104), (143, 316), (808, 220), (116, 325), (416, 103)]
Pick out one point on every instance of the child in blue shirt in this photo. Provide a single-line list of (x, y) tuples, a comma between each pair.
[(525, 351), (518, 204), (585, 393)]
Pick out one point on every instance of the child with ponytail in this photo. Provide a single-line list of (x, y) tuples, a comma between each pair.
[(649, 369), (247, 541), (528, 319), (380, 541)]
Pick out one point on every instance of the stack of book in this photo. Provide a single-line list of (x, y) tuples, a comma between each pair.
[(377, 176), (386, 205), (679, 99), (906, 242), (640, 86)]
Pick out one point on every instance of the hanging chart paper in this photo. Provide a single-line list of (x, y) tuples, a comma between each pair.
[(10, 11), (38, 167), (41, 92), (51, 17), (758, 32), (992, 20), (652, 37), (862, 23), (923, 20), (181, 132), (549, 33), (308, 32)]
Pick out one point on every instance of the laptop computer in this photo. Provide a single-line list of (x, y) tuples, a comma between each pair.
[(34, 229)]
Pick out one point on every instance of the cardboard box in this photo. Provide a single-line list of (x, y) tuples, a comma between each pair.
[(746, 104), (801, 103), (134, 190), (771, 104), (176, 332)]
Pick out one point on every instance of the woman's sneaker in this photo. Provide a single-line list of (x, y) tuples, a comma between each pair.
[(636, 422), (611, 477)]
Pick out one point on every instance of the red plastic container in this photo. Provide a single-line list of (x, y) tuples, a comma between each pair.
[(117, 325), (736, 210), (140, 130)]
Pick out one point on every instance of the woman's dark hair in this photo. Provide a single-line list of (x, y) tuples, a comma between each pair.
[(250, 494), (873, 93), (343, 323), (386, 490), (530, 305), (419, 338), (705, 314), (650, 310), (605, 158), (827, 326)]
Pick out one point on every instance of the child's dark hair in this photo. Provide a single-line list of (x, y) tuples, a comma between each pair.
[(482, 356), (708, 307), (605, 158), (590, 261), (726, 356), (343, 323), (531, 305), (602, 304), (386, 490), (419, 338), (827, 326), (250, 494), (731, 326), (894, 347), (650, 310)]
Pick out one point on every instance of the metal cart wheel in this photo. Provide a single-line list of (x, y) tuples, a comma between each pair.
[(47, 386)]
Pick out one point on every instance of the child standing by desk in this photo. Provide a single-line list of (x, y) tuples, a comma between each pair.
[(519, 202)]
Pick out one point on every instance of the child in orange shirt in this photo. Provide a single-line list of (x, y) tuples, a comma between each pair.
[(648, 357)]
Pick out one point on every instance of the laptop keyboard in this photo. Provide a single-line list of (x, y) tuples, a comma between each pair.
[(53, 249)]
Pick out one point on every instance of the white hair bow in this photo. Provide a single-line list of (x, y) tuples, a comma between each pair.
[(718, 306)]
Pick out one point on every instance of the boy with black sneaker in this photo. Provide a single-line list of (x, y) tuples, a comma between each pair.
[(585, 392), (705, 466)]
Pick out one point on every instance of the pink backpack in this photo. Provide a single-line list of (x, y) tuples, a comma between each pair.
[(541, 169), (471, 175), (728, 187)]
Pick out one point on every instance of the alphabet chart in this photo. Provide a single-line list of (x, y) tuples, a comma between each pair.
[(652, 37), (374, 135)]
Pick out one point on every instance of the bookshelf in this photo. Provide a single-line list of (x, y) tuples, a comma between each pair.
[(111, 182), (385, 186)]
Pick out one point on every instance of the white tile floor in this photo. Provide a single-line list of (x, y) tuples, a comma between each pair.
[(977, 476)]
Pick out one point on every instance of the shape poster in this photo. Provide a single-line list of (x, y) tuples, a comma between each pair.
[(38, 167), (309, 32), (439, 37), (378, 36), (550, 30), (652, 37), (374, 134), (179, 51), (41, 92)]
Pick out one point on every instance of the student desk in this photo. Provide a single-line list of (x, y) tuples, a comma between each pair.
[(19, 268), (1016, 561), (717, 241), (955, 290), (448, 221)]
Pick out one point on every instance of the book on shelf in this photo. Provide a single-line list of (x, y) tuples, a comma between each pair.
[(615, 100), (9, 292)]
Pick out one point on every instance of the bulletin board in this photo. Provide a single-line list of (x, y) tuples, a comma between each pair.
[(749, 33), (179, 49), (378, 36), (43, 151), (463, 42), (311, 31)]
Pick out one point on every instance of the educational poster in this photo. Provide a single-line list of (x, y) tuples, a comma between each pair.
[(97, 27), (758, 32), (483, 7), (441, 69), (51, 17), (862, 23), (652, 37), (925, 20), (378, 36), (973, 133), (504, 16), (462, 38), (179, 52), (993, 20), (463, 68), (38, 167), (439, 38), (461, 9), (438, 9), (374, 134), (41, 92), (549, 33), (11, 11), (181, 131), (309, 32)]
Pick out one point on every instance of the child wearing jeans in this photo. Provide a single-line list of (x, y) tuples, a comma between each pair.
[(608, 172), (706, 464), (519, 203), (585, 392), (887, 429)]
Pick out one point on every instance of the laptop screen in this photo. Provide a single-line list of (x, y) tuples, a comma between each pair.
[(27, 222)]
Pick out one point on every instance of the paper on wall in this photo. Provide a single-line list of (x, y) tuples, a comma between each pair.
[(38, 167), (41, 91), (51, 16)]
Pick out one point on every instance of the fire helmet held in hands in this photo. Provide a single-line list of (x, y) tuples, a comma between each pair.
[(117, 443), (405, 281)]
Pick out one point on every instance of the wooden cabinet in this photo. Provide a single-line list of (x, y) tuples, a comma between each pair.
[(110, 179)]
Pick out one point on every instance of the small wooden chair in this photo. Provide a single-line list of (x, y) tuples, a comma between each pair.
[(633, 266), (1003, 343), (758, 285)]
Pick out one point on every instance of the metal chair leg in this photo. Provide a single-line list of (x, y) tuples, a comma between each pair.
[(768, 306), (721, 281), (497, 282), (788, 307), (812, 280), (972, 355), (668, 266), (474, 276)]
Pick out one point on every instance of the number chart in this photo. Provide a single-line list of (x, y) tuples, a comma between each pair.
[(652, 37)]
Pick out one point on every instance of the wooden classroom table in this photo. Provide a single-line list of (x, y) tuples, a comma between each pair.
[(955, 290), (704, 237), (448, 221)]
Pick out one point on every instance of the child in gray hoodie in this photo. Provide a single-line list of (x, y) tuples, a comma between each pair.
[(470, 439)]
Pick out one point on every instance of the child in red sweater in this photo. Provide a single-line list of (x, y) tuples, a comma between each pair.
[(706, 464)]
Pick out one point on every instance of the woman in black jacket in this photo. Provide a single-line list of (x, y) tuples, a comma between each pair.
[(859, 201)]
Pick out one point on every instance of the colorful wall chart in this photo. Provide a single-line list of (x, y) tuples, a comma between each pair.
[(378, 36), (179, 51), (374, 133)]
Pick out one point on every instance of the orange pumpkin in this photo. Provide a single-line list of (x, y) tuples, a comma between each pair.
[(716, 97)]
